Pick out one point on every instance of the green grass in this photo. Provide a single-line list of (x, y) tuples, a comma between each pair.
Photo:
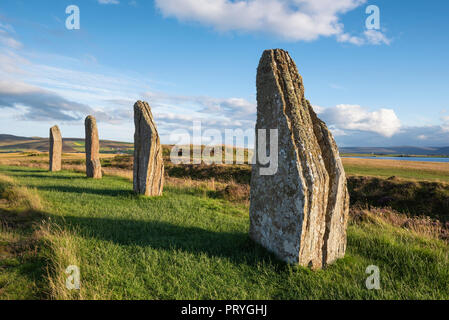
[(413, 174), (22, 271), (186, 245), (22, 264)]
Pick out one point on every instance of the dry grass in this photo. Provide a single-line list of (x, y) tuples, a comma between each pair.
[(209, 184), (62, 251), (399, 169), (20, 241), (421, 226), (20, 211), (123, 173), (231, 191), (398, 164), (19, 196), (16, 245), (40, 159), (6, 180)]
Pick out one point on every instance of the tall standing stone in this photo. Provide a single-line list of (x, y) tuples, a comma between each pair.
[(300, 213), (92, 144), (148, 161), (55, 149)]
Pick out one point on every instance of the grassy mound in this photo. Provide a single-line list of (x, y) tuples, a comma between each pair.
[(411, 197), (22, 264), (189, 245)]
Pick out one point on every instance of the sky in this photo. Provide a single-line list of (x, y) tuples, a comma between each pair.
[(196, 60)]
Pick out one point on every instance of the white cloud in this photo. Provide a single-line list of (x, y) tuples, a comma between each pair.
[(7, 27), (353, 117), (318, 109), (290, 19), (445, 123), (422, 137), (212, 112), (346, 37), (11, 63), (37, 91), (108, 1), (376, 37), (6, 39), (337, 132), (39, 104)]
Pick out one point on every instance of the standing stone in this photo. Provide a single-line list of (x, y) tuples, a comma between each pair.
[(148, 162), (300, 213), (92, 144), (55, 149)]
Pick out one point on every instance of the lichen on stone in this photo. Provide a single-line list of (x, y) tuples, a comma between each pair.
[(309, 189)]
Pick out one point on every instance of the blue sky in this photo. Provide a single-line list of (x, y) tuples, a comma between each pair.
[(197, 59)]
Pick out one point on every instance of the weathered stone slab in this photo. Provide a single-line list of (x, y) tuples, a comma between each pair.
[(300, 213), (92, 145), (55, 149), (148, 162)]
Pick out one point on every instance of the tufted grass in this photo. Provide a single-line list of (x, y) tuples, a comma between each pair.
[(189, 244)]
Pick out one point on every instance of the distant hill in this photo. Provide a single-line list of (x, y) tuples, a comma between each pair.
[(9, 137), (10, 143), (405, 150)]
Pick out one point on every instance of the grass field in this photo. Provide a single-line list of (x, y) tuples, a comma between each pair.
[(188, 244), (417, 188), (11, 144), (409, 170)]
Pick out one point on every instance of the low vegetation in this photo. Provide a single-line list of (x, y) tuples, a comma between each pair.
[(192, 243), (418, 198), (372, 183), (407, 170), (22, 263), (13, 144)]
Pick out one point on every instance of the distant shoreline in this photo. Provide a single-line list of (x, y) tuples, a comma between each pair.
[(365, 155)]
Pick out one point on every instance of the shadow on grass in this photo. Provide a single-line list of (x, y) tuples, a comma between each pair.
[(47, 174), (235, 246), (80, 190), (23, 256), (27, 171)]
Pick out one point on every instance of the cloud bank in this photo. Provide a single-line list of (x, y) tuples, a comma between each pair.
[(40, 104), (293, 20), (108, 1), (356, 118), (39, 93)]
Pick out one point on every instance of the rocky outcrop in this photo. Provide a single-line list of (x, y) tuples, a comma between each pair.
[(55, 149), (299, 213), (92, 145), (148, 162)]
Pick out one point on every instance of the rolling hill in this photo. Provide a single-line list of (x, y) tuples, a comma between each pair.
[(10, 143)]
